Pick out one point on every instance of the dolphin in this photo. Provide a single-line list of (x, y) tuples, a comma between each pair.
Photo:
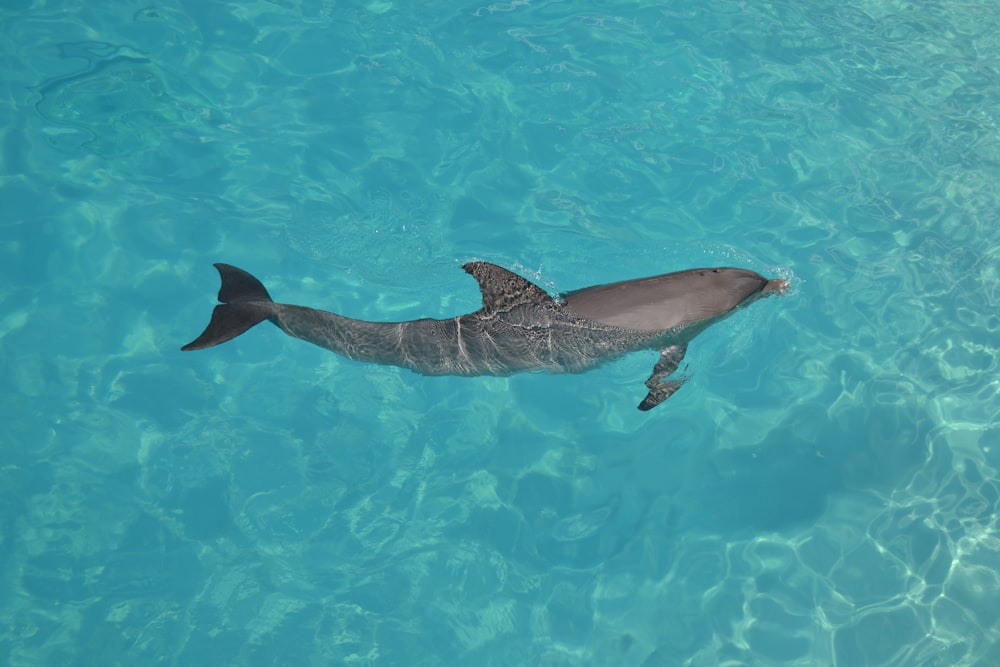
[(520, 326)]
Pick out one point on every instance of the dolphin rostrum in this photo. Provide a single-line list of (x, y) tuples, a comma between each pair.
[(520, 326)]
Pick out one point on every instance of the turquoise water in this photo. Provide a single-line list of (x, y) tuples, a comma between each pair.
[(823, 490)]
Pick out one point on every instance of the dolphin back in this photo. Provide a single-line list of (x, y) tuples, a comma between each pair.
[(245, 303), (667, 301)]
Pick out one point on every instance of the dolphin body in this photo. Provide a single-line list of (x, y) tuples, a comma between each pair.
[(520, 326)]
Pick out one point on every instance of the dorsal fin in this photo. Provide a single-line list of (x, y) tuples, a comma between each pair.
[(503, 290)]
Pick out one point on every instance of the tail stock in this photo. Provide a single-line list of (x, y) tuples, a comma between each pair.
[(245, 303)]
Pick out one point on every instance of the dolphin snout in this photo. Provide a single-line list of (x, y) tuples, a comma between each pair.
[(775, 286)]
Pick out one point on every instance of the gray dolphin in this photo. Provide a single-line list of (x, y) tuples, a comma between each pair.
[(520, 326)]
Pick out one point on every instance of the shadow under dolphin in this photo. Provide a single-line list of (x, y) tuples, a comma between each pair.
[(520, 326)]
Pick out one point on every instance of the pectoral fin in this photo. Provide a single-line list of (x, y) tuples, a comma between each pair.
[(661, 389)]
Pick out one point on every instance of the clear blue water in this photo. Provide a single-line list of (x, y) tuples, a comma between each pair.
[(823, 491)]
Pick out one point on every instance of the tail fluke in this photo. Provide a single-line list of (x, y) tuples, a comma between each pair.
[(245, 303)]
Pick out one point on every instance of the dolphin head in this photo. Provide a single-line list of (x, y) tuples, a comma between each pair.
[(671, 300)]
